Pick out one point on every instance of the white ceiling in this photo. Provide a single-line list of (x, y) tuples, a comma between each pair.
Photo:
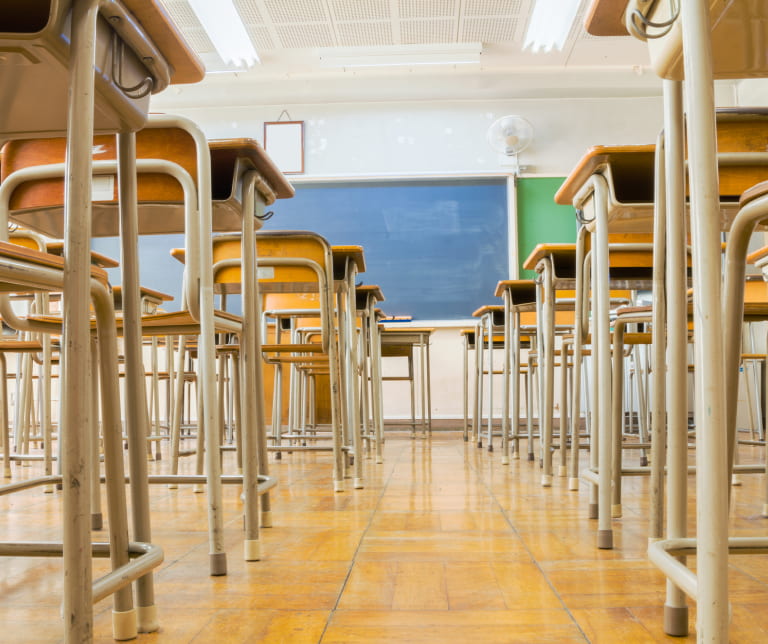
[(291, 36)]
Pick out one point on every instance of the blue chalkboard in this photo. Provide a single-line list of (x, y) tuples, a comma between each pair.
[(437, 248)]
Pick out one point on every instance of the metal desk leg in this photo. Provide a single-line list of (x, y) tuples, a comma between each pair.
[(178, 408), (253, 425), (489, 321), (529, 396), (546, 366), (505, 380), (97, 519), (578, 344), (465, 389), (675, 609), (378, 410), (353, 373), (617, 409), (602, 345), (479, 360), (136, 400), (427, 384), (515, 373), (78, 593), (5, 419), (412, 384), (711, 450), (594, 436), (562, 469), (659, 365)]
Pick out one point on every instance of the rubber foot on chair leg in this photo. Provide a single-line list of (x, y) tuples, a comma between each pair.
[(124, 624), (562, 470), (480, 444), (616, 511), (592, 512), (676, 620), (338, 486), (490, 447), (173, 486), (505, 460), (735, 480), (278, 456), (605, 539), (148, 622), (266, 519), (97, 521), (358, 484), (158, 456), (7, 472), (379, 460), (765, 509), (531, 458), (643, 461), (546, 480), (48, 489), (466, 439), (573, 484), (218, 562), (198, 488), (252, 550)]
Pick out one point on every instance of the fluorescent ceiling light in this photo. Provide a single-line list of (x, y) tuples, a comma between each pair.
[(550, 23), (226, 30), (401, 55)]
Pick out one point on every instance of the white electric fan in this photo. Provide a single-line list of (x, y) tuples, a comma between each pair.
[(509, 136)]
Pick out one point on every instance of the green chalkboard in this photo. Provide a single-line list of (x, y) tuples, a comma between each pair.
[(539, 218)]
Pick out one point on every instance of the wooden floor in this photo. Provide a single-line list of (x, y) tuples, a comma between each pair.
[(443, 545)]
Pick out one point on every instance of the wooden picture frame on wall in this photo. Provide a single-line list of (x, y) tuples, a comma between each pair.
[(284, 143)]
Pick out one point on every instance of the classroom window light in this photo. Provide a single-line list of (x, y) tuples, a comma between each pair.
[(226, 30), (550, 24)]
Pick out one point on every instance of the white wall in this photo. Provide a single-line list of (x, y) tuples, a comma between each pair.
[(414, 138), (376, 140)]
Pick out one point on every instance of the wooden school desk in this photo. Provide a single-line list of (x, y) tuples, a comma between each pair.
[(518, 296), (367, 298), (155, 56), (556, 268), (402, 342), (348, 262), (490, 320), (712, 40), (178, 193), (612, 190)]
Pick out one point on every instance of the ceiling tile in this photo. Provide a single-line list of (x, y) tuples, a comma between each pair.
[(296, 11), (427, 8), (354, 10), (491, 7), (303, 36), (413, 32), (249, 12), (488, 30), (364, 34)]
